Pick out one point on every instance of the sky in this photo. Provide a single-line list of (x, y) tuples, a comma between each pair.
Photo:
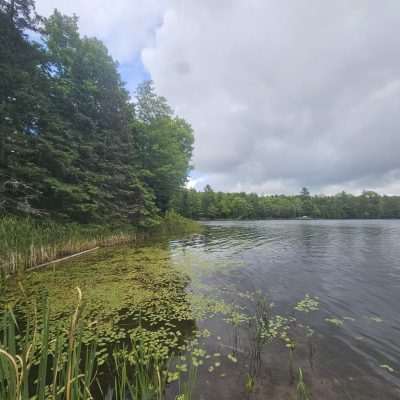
[(281, 94)]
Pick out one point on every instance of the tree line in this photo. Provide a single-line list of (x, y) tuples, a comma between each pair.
[(208, 204), (73, 144)]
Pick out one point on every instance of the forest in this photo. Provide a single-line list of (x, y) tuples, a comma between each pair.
[(74, 147), (208, 204)]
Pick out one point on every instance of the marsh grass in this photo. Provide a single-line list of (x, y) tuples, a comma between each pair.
[(139, 373), (36, 365), (173, 223), (26, 242)]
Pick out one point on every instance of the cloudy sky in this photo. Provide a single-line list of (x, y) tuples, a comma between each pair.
[(281, 93)]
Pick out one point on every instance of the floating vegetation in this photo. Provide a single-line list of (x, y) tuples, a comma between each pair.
[(232, 358), (334, 321), (276, 327), (144, 312), (133, 300), (36, 365), (308, 304), (387, 367), (375, 319)]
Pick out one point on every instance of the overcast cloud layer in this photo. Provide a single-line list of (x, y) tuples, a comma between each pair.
[(280, 93), (284, 94)]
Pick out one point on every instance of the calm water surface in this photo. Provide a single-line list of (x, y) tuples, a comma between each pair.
[(354, 269)]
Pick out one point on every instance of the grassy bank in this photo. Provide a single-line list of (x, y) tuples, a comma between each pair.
[(174, 224), (26, 242)]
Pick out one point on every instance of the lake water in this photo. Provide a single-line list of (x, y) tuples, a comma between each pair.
[(353, 267), (347, 349)]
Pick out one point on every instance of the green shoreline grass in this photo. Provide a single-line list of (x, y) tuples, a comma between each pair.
[(40, 367), (26, 242)]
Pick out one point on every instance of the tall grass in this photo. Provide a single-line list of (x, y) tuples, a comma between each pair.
[(174, 223), (26, 242), (138, 373), (36, 366)]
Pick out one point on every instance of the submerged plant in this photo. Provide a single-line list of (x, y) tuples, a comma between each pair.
[(301, 388), (387, 367), (249, 383), (334, 321)]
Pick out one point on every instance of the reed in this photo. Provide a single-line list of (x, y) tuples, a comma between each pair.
[(174, 223), (301, 387), (26, 242), (138, 373), (36, 366), (31, 367)]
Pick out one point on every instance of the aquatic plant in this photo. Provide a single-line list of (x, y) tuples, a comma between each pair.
[(301, 388), (307, 304), (249, 383), (138, 307), (174, 223), (139, 373), (34, 366), (334, 321), (27, 242), (387, 367)]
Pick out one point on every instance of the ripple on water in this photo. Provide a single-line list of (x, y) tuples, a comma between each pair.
[(353, 266)]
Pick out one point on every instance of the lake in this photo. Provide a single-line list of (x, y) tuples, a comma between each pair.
[(325, 296), (353, 267)]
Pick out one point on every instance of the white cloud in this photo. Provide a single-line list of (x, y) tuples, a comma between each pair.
[(196, 182), (283, 94), (125, 26)]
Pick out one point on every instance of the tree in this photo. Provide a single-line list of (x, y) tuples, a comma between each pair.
[(164, 145), (149, 106), (70, 145), (304, 193), (21, 14), (23, 99), (370, 205), (252, 206)]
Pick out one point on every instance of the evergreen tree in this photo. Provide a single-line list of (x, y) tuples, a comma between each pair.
[(71, 146)]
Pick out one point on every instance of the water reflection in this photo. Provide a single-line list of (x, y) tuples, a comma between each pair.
[(352, 266)]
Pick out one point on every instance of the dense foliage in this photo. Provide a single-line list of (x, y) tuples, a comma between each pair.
[(73, 145), (216, 205)]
